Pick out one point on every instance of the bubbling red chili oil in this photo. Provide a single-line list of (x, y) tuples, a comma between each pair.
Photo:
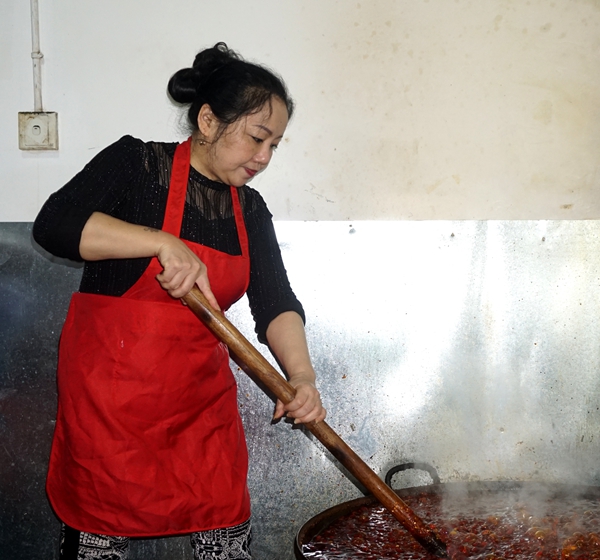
[(488, 527)]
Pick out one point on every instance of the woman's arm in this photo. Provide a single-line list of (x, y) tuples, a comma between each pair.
[(113, 180), (287, 340), (104, 237)]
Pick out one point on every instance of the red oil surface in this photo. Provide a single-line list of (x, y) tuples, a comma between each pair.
[(489, 527)]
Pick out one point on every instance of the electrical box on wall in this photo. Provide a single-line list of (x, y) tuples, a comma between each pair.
[(38, 131)]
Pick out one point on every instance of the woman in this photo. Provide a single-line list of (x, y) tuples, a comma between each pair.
[(148, 440)]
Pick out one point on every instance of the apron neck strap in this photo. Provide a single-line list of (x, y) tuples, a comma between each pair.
[(178, 188), (239, 221)]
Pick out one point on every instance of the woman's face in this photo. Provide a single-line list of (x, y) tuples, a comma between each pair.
[(244, 149)]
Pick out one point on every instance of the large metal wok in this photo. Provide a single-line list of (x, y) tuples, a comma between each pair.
[(466, 490)]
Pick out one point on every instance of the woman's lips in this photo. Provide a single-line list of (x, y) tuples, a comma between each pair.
[(251, 172)]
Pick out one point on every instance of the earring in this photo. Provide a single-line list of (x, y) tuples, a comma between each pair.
[(201, 142)]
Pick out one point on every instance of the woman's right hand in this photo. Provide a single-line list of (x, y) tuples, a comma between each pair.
[(182, 269), (105, 237)]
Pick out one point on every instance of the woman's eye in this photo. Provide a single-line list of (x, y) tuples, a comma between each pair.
[(274, 146), (257, 140)]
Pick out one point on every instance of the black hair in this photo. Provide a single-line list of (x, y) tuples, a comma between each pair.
[(231, 86)]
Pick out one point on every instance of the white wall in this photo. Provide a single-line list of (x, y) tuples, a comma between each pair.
[(407, 109)]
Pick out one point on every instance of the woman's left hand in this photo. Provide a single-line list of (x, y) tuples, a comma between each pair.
[(306, 406)]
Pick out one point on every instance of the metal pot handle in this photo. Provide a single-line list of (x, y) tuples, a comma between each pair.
[(419, 466)]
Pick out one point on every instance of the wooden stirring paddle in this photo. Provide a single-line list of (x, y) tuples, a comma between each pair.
[(256, 363)]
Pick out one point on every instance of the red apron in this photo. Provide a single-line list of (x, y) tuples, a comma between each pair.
[(148, 437)]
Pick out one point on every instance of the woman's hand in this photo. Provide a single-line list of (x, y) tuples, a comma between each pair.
[(287, 341), (182, 269), (306, 406), (105, 237)]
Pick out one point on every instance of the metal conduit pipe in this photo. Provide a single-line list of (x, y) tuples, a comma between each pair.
[(36, 56)]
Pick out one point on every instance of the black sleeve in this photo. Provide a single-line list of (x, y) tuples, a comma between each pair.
[(102, 186), (269, 291)]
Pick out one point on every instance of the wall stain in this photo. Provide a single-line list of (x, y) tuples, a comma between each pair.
[(320, 196), (429, 189)]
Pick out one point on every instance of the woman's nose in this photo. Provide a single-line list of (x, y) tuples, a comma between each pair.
[(263, 156)]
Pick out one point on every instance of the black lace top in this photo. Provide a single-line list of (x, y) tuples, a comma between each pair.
[(129, 180)]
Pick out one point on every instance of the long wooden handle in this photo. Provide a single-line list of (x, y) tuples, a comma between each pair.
[(256, 363)]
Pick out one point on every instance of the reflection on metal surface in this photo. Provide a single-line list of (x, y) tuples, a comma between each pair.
[(469, 345)]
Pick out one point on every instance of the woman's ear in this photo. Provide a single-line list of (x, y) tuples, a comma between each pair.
[(207, 122)]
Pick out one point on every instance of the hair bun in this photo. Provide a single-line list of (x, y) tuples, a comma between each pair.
[(182, 86), (208, 61), (185, 84)]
